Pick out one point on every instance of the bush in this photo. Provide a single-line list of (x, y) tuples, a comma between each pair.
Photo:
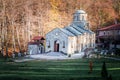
[(1, 54)]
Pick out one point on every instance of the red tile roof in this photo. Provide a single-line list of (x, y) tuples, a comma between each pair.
[(33, 43), (38, 38), (112, 27)]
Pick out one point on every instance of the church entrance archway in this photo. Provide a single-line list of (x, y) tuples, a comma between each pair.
[(56, 46)]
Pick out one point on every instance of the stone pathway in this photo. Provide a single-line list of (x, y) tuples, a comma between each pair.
[(24, 60), (50, 56)]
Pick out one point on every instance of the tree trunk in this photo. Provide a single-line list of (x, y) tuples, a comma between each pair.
[(13, 36), (6, 37), (2, 39), (18, 39)]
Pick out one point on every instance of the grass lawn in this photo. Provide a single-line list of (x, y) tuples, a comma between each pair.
[(58, 70)]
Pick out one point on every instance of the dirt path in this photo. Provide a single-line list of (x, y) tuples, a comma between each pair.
[(118, 59)]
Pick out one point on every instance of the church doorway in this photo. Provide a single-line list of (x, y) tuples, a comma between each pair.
[(56, 46)]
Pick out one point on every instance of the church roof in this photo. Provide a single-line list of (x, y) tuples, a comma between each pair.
[(81, 28), (90, 31), (67, 32), (73, 30), (80, 12), (78, 28)]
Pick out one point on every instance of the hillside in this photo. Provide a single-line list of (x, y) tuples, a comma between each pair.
[(20, 20)]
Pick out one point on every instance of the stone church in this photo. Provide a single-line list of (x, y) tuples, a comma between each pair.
[(74, 38)]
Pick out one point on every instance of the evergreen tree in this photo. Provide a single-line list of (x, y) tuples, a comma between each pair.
[(104, 72), (110, 77)]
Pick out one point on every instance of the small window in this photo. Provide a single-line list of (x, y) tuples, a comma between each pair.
[(118, 31), (104, 32), (90, 42), (75, 18), (82, 17), (88, 24), (48, 44), (108, 33), (63, 44), (72, 44), (78, 18), (81, 46)]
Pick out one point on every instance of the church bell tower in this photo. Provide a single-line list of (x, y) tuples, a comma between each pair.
[(80, 19), (79, 16)]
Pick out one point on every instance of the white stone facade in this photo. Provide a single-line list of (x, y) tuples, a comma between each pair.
[(35, 49)]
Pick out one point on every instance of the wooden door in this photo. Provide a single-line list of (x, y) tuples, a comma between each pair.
[(56, 47)]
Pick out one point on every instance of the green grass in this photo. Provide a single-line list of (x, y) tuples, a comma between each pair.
[(58, 70)]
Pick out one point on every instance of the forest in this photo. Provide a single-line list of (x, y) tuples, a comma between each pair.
[(21, 20)]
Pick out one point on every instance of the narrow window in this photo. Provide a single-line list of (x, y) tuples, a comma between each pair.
[(63, 44), (82, 17), (90, 42), (108, 32), (104, 32), (71, 44), (81, 46), (77, 18)]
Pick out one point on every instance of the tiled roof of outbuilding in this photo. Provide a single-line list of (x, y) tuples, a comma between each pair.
[(111, 27)]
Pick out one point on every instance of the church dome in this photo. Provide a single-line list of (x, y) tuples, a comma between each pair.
[(80, 12)]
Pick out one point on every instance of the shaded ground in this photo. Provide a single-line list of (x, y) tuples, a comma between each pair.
[(113, 58)]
